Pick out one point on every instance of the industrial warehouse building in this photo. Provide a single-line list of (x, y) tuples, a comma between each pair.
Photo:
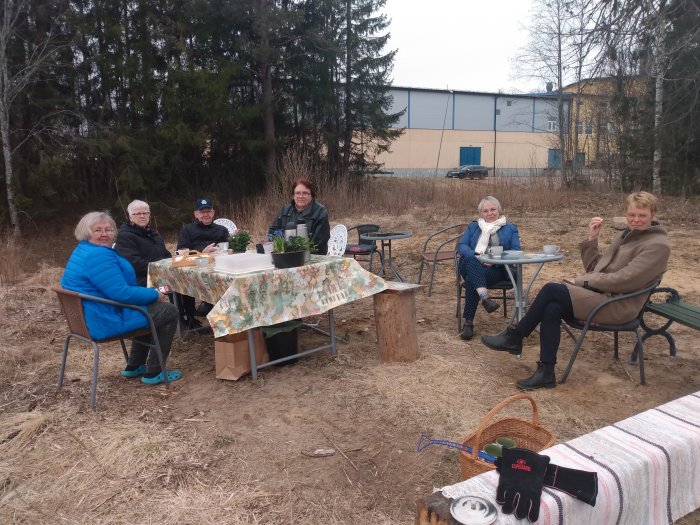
[(510, 134)]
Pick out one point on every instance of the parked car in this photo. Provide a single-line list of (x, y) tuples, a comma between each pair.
[(468, 171)]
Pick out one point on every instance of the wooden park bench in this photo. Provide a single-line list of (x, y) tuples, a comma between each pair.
[(675, 310)]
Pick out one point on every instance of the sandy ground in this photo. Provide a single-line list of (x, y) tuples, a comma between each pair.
[(212, 451)]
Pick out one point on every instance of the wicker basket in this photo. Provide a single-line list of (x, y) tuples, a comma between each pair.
[(527, 434)]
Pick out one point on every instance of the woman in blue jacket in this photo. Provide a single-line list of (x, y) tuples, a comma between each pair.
[(491, 229), (94, 268)]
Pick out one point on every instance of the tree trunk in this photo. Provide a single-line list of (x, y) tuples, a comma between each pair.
[(659, 70), (347, 131), (266, 80), (7, 158)]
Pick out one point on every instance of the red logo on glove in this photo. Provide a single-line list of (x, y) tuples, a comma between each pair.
[(521, 464)]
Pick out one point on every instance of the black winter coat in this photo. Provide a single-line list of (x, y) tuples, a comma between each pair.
[(316, 217), (197, 236), (140, 246)]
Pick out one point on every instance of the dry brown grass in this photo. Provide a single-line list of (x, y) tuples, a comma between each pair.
[(12, 260), (214, 452)]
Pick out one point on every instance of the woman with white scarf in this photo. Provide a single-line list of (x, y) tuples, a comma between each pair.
[(491, 229)]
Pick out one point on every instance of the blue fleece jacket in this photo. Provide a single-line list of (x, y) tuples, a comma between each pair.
[(102, 272), (508, 234)]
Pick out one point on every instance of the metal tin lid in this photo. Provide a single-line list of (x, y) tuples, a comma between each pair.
[(473, 510)]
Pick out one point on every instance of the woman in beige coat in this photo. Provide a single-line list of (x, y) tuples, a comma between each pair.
[(636, 258)]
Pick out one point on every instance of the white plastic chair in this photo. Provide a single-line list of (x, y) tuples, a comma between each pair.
[(228, 224), (338, 241)]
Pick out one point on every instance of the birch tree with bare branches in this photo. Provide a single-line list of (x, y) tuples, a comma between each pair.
[(15, 75)]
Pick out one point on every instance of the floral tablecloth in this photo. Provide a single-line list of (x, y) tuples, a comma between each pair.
[(269, 297)]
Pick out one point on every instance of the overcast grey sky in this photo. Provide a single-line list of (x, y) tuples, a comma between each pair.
[(465, 45)]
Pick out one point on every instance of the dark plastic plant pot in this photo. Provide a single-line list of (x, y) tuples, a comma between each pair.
[(288, 259)]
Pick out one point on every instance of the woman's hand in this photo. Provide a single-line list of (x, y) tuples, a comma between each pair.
[(594, 228), (211, 248), (568, 280)]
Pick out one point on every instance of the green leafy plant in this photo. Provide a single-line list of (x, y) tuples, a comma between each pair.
[(239, 241), (278, 244), (298, 244), (294, 244)]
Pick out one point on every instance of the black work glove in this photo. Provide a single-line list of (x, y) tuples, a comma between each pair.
[(579, 484), (520, 484)]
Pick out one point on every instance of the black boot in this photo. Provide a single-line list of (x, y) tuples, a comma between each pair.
[(509, 341), (467, 330), (489, 304), (543, 377)]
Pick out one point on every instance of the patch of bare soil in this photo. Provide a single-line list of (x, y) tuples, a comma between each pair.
[(208, 451)]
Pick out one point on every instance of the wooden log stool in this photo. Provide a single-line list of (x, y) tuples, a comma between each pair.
[(395, 319)]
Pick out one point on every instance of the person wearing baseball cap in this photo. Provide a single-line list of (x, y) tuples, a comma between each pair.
[(201, 235)]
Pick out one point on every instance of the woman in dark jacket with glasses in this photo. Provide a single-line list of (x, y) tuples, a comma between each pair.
[(304, 207)]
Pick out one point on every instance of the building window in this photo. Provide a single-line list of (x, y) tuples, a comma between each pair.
[(498, 112), (509, 103), (552, 125), (584, 129)]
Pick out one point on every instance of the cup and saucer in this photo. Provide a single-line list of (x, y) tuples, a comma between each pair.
[(495, 252)]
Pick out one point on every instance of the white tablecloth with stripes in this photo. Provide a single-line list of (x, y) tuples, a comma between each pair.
[(648, 471)]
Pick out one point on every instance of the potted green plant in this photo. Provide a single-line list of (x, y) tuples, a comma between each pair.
[(239, 241), (289, 253)]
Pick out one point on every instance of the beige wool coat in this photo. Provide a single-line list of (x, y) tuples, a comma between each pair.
[(635, 259)]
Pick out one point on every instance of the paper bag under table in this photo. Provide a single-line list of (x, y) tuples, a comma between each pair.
[(232, 357)]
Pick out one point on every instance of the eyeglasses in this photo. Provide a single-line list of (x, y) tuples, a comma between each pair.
[(100, 231), (140, 214), (301, 193)]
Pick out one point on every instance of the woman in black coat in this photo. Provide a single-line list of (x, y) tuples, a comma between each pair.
[(138, 243)]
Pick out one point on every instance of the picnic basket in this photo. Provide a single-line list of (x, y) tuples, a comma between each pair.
[(527, 434)]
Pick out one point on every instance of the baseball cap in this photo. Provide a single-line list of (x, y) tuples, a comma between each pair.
[(202, 203)]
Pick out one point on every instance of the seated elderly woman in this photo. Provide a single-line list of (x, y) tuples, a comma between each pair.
[(138, 242), (636, 258), (491, 229), (94, 268)]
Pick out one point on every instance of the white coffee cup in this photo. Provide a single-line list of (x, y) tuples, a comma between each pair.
[(550, 249), (267, 247), (222, 246), (496, 251), (202, 262), (183, 251)]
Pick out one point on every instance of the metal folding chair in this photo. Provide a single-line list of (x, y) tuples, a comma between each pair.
[(503, 286), (363, 247), (72, 307), (442, 248), (632, 326)]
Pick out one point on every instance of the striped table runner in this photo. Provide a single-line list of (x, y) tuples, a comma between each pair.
[(648, 470)]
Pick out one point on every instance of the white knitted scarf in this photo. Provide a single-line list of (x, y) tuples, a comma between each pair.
[(487, 229)]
